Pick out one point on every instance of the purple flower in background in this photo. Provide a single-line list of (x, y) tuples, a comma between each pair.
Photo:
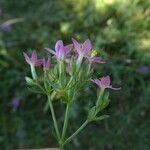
[(82, 49), (15, 102), (61, 51), (6, 26), (46, 64), (104, 83), (143, 69), (33, 60)]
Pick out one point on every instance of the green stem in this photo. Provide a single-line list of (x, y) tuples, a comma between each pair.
[(54, 117), (68, 84), (76, 132), (79, 61), (61, 147), (33, 72), (89, 67), (61, 71), (66, 121)]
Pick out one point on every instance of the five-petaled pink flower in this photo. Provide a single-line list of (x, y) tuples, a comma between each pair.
[(61, 51), (104, 83), (46, 64), (82, 49), (34, 61)]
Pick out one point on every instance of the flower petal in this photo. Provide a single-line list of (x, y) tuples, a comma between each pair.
[(59, 44), (27, 58), (68, 48), (60, 49), (110, 87), (50, 50), (38, 62), (87, 46), (77, 45), (106, 81), (47, 64), (34, 57), (96, 81), (97, 60)]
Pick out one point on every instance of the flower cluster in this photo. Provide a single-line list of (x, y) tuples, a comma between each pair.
[(64, 73), (82, 53)]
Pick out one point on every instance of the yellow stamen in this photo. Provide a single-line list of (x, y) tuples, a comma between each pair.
[(94, 53), (101, 78)]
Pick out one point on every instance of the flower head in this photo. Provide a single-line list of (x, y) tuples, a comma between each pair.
[(82, 49), (46, 64), (61, 51), (104, 83), (33, 60)]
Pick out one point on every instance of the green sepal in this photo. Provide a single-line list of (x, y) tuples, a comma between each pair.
[(104, 102), (101, 118), (92, 113), (30, 81), (36, 89)]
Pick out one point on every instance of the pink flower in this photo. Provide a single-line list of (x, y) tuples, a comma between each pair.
[(104, 83), (82, 49), (33, 60), (61, 51), (46, 64)]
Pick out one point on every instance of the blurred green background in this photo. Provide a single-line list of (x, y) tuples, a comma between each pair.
[(118, 29)]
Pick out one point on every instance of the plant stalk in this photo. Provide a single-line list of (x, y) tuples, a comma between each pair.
[(66, 121), (54, 118), (76, 132), (33, 72)]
